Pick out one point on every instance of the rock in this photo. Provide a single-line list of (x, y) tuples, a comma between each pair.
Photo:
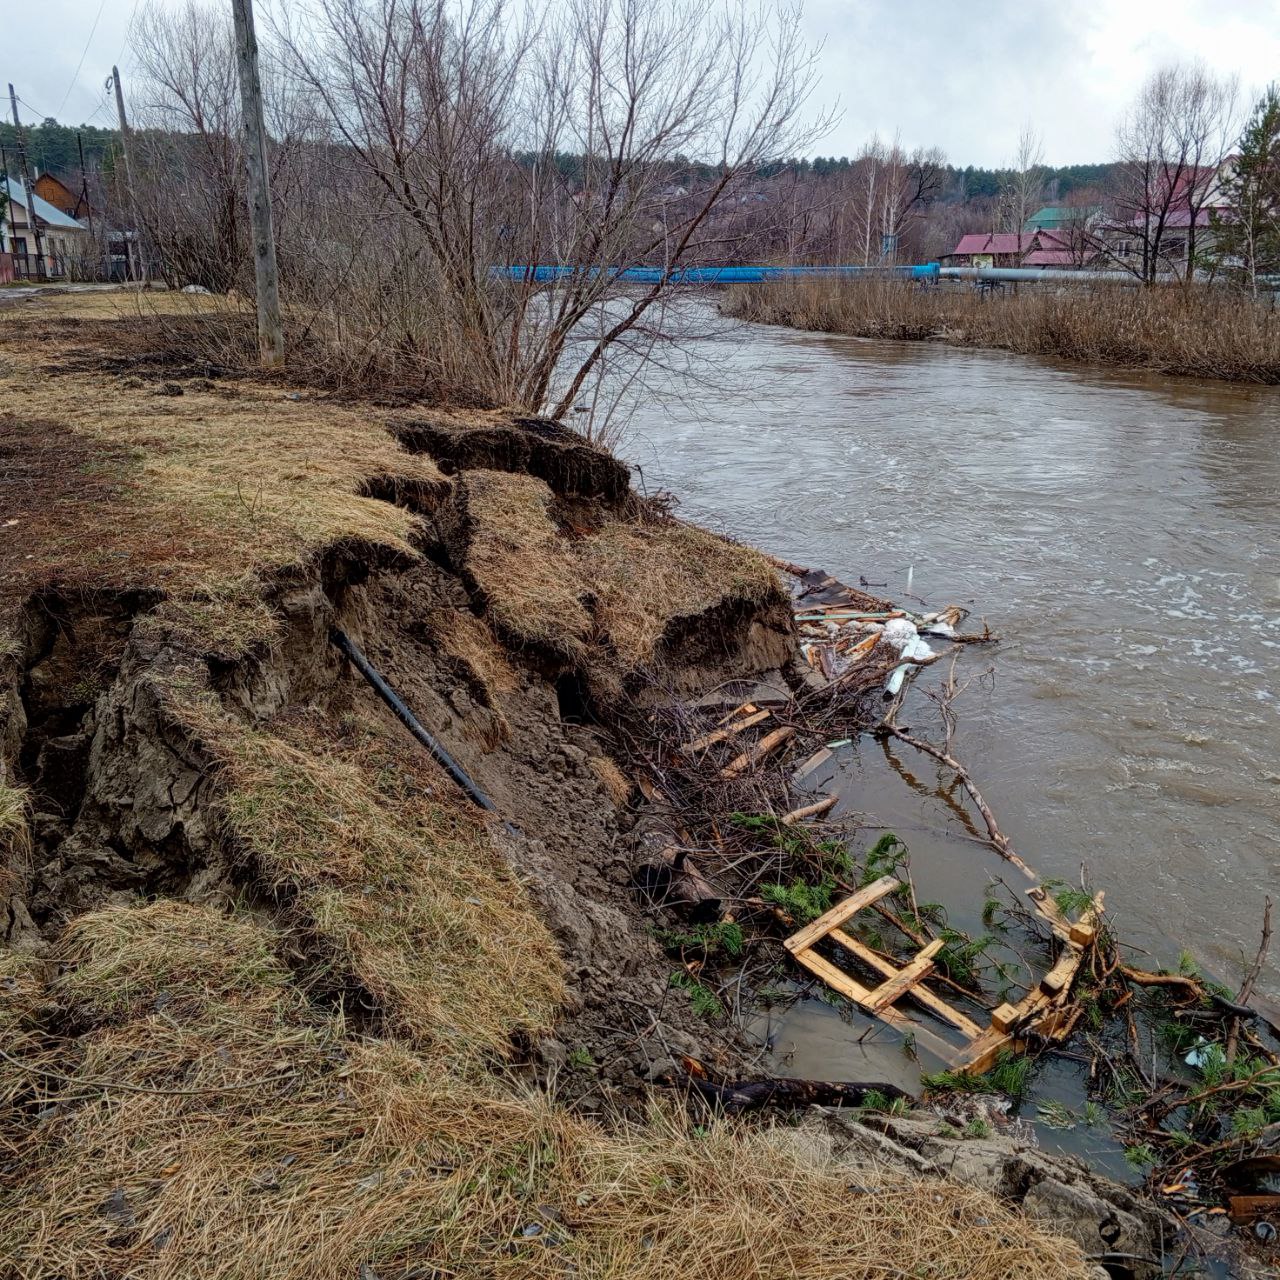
[(1076, 1212), (194, 288)]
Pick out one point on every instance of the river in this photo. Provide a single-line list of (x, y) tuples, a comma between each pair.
[(1120, 531)]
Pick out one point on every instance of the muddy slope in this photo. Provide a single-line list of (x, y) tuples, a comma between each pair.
[(127, 791), (125, 799)]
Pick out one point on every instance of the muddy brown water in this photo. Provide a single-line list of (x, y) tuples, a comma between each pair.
[(1121, 533)]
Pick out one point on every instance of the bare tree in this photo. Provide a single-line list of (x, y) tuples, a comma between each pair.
[(891, 192), (1022, 190), (1171, 147), (609, 134)]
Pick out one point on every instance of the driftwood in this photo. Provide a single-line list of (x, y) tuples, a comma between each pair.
[(809, 810), (999, 841)]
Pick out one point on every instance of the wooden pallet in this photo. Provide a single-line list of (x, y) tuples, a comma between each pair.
[(1045, 1012)]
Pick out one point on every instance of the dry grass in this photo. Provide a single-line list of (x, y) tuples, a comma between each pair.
[(645, 577), (524, 567), (114, 484), (267, 1142), (396, 886), (15, 836), (1201, 332), (616, 589)]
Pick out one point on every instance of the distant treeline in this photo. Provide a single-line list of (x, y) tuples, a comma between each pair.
[(971, 183), (52, 147)]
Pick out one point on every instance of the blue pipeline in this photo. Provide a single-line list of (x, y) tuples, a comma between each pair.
[(710, 275)]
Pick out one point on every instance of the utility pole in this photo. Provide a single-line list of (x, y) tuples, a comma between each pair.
[(270, 329), (6, 205), (32, 223), (135, 245), (84, 182)]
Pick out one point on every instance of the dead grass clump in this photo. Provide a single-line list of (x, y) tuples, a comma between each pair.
[(15, 836), (611, 592), (213, 1136), (399, 889), (645, 576), (1200, 332), (468, 642), (121, 961), (525, 569)]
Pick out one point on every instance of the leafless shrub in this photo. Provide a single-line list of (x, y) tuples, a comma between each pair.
[(426, 156)]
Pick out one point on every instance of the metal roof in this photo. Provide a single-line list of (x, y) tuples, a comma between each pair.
[(47, 213)]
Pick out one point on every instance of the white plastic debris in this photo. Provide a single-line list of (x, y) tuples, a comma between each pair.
[(901, 633), (1204, 1054)]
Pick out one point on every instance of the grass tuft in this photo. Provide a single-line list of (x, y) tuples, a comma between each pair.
[(396, 883)]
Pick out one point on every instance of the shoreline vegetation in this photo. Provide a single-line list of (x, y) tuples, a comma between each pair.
[(1199, 332)]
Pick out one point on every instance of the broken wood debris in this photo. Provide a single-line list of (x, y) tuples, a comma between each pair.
[(1042, 1014), (753, 717), (815, 810), (755, 754)]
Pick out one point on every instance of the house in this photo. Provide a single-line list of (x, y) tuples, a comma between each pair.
[(1039, 248), (58, 194), (1162, 223), (66, 242)]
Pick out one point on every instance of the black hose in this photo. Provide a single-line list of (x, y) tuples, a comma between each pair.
[(406, 717)]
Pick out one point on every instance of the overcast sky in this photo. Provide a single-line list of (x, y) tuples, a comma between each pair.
[(959, 74)]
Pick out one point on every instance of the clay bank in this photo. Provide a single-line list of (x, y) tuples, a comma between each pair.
[(278, 999)]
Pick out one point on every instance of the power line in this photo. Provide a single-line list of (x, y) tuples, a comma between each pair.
[(102, 4)]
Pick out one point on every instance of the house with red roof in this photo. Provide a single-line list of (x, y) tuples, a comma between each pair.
[(1038, 248)]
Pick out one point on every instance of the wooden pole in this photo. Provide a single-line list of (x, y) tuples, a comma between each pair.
[(270, 329), (135, 245), (27, 192), (84, 183)]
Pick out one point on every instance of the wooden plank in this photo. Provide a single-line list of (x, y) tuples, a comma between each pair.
[(809, 811), (753, 755), (980, 1055), (921, 995), (719, 735), (840, 981), (841, 912), (1004, 1017), (746, 709), (1079, 933), (834, 977), (890, 992), (1060, 977), (815, 761), (1050, 912)]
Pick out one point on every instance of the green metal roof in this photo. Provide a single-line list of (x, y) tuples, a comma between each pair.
[(1056, 214)]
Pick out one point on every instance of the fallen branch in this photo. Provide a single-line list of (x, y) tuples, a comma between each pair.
[(1246, 987), (999, 841), (809, 810)]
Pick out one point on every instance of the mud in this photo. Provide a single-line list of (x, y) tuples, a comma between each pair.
[(534, 446)]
